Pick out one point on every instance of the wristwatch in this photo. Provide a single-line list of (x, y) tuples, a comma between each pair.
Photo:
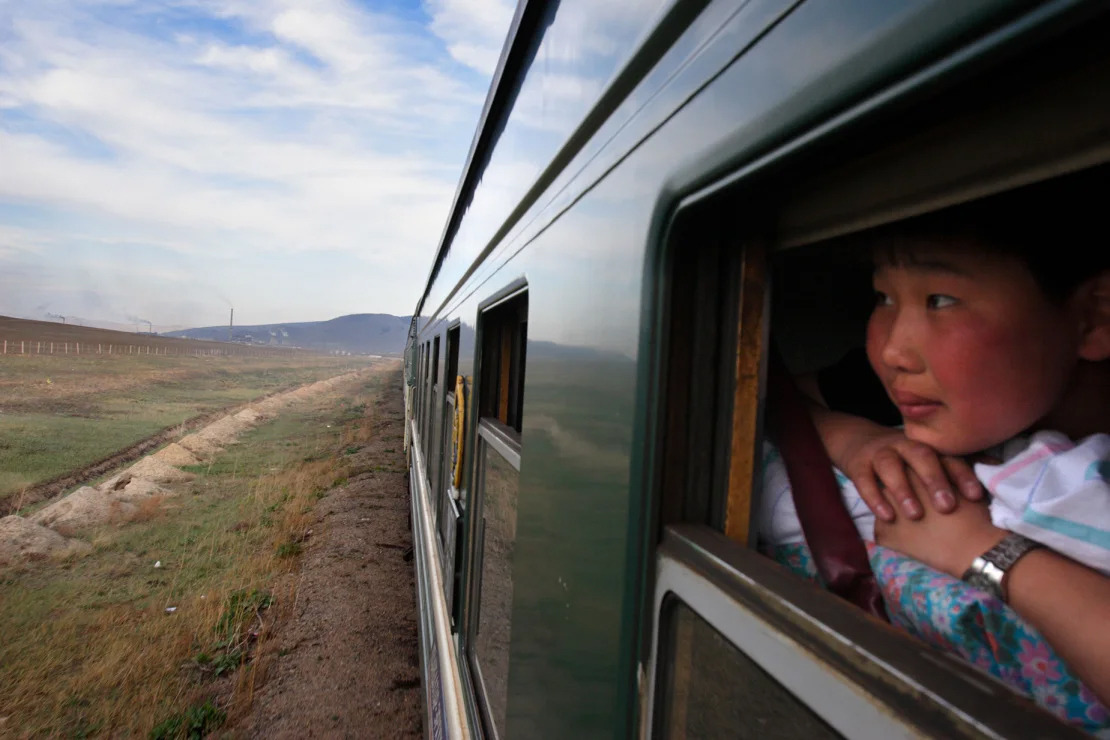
[(988, 571)]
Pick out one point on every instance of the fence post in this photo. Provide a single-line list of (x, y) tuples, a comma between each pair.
[(21, 346)]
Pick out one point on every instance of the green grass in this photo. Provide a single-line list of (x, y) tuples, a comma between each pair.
[(60, 414), (195, 722), (37, 447), (88, 646)]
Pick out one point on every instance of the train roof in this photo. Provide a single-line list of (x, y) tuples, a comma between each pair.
[(499, 99)]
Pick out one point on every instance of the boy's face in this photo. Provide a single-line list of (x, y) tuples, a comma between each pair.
[(967, 346)]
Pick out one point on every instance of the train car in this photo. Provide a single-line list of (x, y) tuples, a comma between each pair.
[(657, 190)]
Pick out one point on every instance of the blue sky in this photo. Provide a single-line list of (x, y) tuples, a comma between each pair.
[(293, 158)]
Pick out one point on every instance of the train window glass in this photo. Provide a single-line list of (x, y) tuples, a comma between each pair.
[(503, 334), (430, 448), (498, 482), (713, 690)]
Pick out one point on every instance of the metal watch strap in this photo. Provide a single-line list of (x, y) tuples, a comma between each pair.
[(988, 571)]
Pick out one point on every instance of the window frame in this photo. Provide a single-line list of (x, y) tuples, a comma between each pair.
[(425, 393), (419, 390), (501, 392), (506, 442), (442, 486), (448, 513), (434, 396)]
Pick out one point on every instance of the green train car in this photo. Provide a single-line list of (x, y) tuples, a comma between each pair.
[(657, 190)]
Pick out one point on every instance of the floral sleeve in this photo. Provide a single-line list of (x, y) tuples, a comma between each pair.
[(948, 613)]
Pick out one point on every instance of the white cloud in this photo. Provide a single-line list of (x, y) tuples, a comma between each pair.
[(258, 127), (473, 30)]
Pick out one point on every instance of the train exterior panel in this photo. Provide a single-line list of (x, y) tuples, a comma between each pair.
[(612, 129)]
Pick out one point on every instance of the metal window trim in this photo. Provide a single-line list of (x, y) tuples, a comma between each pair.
[(503, 439), (864, 678), (514, 289)]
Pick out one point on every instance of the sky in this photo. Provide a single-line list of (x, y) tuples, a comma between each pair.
[(164, 161)]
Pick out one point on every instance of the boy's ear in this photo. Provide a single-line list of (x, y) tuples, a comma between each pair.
[(1095, 342)]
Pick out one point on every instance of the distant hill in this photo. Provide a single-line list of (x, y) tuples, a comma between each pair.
[(360, 333)]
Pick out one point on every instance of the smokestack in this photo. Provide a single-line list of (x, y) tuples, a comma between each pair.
[(230, 324)]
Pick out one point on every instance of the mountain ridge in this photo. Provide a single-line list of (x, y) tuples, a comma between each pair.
[(359, 333)]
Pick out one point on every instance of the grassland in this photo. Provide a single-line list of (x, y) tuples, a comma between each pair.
[(90, 645), (59, 413)]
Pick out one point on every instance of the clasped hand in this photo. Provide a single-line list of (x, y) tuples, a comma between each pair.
[(893, 473)]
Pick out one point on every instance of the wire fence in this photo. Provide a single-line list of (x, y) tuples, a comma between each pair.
[(76, 349)]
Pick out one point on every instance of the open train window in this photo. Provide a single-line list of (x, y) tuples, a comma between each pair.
[(447, 500), (725, 614), (419, 389), (502, 335), (450, 436), (425, 394), (435, 396), (805, 239), (713, 361), (503, 349)]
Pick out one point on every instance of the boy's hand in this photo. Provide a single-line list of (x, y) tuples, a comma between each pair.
[(879, 460), (947, 542)]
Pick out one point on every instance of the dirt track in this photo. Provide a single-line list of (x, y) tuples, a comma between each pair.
[(345, 664)]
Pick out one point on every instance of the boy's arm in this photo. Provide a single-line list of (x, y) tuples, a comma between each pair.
[(878, 460), (1070, 605), (1067, 602)]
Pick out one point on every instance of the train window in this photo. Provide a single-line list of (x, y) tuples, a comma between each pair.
[(503, 348), (713, 356), (425, 392), (498, 483), (449, 426), (446, 499), (713, 690), (431, 450), (502, 337), (419, 390), (709, 475)]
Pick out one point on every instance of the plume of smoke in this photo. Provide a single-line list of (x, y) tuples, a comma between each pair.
[(56, 316), (137, 321)]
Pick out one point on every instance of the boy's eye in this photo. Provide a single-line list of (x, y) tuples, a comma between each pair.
[(882, 299), (939, 300)]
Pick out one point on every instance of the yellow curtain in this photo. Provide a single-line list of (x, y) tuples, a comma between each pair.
[(458, 432)]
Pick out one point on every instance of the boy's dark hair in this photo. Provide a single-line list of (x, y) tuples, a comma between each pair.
[(1057, 228)]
